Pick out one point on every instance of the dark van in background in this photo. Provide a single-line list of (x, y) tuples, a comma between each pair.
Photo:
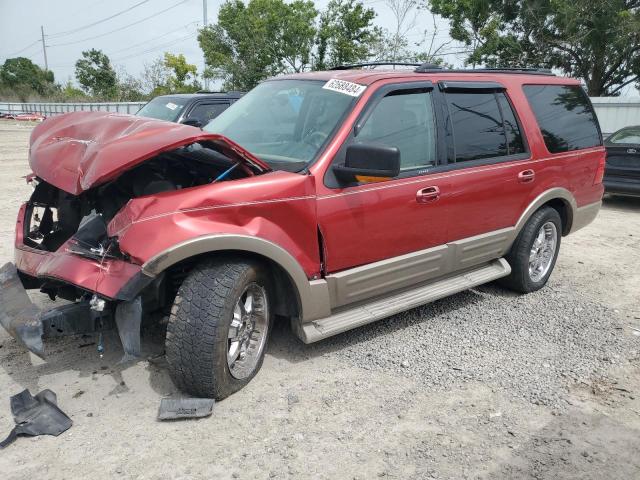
[(196, 109)]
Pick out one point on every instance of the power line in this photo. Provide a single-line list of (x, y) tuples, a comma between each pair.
[(23, 49), (69, 32), (164, 35), (121, 28), (157, 47)]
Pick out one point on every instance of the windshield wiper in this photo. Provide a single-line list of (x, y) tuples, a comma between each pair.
[(286, 165)]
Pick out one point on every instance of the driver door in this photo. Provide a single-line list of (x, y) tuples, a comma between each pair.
[(386, 235)]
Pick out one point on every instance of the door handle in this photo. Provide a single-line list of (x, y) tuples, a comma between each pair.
[(428, 195), (526, 176)]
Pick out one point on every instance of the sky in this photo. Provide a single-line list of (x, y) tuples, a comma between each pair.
[(131, 38)]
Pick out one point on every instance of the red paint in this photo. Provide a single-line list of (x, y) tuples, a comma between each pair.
[(359, 225), (277, 206), (25, 117), (81, 150), (106, 278)]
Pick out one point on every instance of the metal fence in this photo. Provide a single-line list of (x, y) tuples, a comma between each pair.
[(50, 109), (613, 112)]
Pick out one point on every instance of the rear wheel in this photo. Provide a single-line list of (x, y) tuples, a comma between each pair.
[(535, 251), (219, 327)]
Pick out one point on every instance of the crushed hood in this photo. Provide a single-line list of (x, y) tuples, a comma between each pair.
[(80, 150)]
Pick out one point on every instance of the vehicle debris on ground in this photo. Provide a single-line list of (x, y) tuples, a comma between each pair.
[(186, 407), (34, 416)]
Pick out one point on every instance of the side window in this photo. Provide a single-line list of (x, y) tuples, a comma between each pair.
[(484, 126), (205, 112), (404, 119), (565, 117), (511, 127)]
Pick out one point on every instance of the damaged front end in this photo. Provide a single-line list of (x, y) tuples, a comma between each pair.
[(83, 177), (29, 324)]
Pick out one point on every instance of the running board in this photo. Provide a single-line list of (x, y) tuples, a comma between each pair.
[(399, 302)]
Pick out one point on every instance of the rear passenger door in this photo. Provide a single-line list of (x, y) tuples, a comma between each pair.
[(490, 177)]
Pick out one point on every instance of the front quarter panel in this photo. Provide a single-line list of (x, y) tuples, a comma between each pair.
[(278, 207)]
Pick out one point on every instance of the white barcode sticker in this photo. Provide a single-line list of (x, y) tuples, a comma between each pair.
[(342, 86)]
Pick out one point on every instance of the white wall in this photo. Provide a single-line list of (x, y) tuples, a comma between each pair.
[(616, 112)]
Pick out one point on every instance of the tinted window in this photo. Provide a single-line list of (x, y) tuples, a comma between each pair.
[(479, 129), (405, 120), (511, 127), (205, 112), (565, 117)]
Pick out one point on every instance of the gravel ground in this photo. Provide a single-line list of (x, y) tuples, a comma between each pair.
[(484, 384), (530, 346)]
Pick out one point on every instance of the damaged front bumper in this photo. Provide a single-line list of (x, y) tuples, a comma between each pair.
[(115, 281), (28, 324), (109, 278), (18, 315)]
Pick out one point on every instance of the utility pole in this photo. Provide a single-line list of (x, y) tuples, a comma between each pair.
[(204, 24), (44, 49)]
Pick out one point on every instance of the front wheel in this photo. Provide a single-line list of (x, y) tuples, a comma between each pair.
[(534, 252), (219, 327)]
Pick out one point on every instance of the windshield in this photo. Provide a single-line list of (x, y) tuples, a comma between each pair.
[(283, 122), (163, 108)]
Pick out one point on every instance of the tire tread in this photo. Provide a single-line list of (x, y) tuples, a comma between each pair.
[(195, 331)]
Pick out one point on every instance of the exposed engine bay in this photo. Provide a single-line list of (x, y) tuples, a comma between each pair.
[(54, 216)]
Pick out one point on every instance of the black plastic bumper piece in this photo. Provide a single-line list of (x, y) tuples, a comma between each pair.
[(39, 415), (18, 315), (28, 324)]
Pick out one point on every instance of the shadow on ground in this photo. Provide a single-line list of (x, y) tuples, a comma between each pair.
[(621, 203), (79, 353)]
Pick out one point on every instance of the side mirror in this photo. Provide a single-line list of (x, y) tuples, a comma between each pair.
[(193, 122), (369, 163)]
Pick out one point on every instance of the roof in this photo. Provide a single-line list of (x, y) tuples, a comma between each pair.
[(369, 76), (204, 95)]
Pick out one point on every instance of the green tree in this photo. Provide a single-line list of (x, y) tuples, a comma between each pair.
[(96, 75), (70, 93), (180, 74), (155, 78), (129, 87), (596, 40), (262, 38), (346, 34), (24, 77)]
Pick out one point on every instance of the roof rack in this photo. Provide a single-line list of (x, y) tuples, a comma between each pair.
[(230, 92), (374, 64), (432, 68)]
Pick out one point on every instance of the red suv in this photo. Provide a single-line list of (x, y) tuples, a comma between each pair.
[(333, 199)]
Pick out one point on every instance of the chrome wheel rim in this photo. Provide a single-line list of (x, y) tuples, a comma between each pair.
[(543, 251), (248, 331)]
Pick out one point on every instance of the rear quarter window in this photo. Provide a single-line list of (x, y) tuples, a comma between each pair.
[(565, 117)]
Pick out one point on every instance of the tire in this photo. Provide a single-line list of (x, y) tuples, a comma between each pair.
[(205, 315), (522, 279)]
